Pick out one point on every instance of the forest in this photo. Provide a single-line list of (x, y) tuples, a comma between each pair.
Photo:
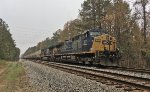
[(129, 24), (8, 49)]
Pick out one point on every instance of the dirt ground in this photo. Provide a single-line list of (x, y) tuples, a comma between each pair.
[(12, 77)]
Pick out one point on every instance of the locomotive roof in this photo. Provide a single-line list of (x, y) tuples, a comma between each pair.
[(95, 30), (90, 30), (56, 45)]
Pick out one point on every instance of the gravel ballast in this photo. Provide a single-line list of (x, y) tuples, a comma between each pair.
[(45, 79)]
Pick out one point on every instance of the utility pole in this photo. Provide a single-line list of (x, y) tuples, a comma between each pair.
[(93, 15), (144, 18)]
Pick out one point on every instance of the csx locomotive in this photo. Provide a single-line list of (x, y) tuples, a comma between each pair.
[(93, 46)]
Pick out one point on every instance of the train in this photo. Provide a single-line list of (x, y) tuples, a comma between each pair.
[(93, 46)]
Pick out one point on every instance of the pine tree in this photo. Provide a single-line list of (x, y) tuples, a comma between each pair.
[(8, 49)]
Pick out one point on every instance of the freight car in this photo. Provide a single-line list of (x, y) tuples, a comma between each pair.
[(93, 46), (36, 55)]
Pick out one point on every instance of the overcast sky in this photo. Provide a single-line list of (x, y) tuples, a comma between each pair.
[(31, 21)]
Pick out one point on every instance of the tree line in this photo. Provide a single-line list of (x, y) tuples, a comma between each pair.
[(129, 26), (8, 49)]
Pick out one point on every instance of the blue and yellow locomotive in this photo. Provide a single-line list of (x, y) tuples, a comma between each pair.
[(92, 46)]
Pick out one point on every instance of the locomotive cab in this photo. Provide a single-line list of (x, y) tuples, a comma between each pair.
[(89, 37)]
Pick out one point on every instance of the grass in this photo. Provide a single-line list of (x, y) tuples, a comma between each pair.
[(11, 75)]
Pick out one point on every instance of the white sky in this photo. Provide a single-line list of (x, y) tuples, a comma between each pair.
[(31, 21)]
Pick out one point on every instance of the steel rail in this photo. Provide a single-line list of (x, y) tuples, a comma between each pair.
[(82, 72)]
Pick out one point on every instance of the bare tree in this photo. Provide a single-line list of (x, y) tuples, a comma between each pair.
[(143, 4)]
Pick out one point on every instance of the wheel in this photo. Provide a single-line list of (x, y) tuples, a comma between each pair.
[(90, 63), (83, 62)]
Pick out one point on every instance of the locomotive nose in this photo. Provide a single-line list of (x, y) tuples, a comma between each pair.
[(104, 42)]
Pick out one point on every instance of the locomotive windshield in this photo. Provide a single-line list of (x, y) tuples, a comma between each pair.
[(94, 33)]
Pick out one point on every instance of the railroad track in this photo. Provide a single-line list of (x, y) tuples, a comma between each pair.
[(127, 82), (130, 69), (142, 71)]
